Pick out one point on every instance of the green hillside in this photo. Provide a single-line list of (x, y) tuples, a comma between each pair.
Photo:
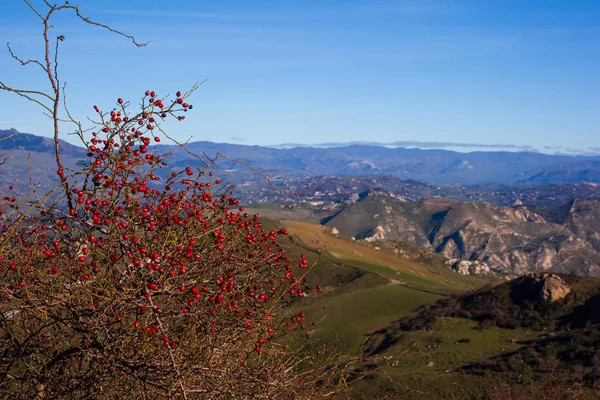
[(468, 346), (428, 332)]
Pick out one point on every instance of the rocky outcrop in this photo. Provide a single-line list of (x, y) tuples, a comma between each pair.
[(509, 240), (466, 267), (376, 234), (553, 288), (584, 221), (512, 241), (550, 287)]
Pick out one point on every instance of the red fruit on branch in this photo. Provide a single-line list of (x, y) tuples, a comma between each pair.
[(184, 250)]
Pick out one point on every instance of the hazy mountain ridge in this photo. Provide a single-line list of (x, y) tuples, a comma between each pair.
[(14, 140), (511, 240), (440, 167)]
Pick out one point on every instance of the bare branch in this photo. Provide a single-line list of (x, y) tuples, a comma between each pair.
[(23, 93), (31, 184), (34, 10), (8, 136), (91, 22), (258, 172), (22, 61), (3, 86)]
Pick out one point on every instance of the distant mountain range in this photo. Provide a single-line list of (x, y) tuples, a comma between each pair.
[(438, 167)]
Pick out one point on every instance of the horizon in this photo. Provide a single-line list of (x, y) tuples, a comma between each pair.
[(450, 147), (446, 75)]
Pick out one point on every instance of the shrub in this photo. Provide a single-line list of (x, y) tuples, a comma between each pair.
[(136, 280)]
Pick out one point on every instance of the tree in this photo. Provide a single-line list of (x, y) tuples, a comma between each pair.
[(132, 279)]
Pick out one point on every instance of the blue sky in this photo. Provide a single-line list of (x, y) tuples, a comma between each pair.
[(520, 73)]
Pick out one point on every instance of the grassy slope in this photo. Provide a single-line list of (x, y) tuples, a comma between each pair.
[(350, 317), (364, 289), (379, 262), (452, 343), (427, 362)]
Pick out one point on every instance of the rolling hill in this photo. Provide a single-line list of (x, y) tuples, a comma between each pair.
[(502, 336)]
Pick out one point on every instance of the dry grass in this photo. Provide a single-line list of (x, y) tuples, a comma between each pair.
[(392, 267)]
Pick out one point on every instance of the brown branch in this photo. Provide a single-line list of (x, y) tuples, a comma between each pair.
[(22, 61), (23, 93), (7, 137), (39, 201), (7, 88), (258, 172), (51, 70), (170, 350), (89, 21), (34, 10)]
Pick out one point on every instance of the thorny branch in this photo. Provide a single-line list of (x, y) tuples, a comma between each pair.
[(50, 67)]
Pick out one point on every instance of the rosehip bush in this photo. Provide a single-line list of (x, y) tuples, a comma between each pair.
[(150, 282)]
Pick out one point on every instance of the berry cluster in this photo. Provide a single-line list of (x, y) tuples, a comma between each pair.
[(153, 270)]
